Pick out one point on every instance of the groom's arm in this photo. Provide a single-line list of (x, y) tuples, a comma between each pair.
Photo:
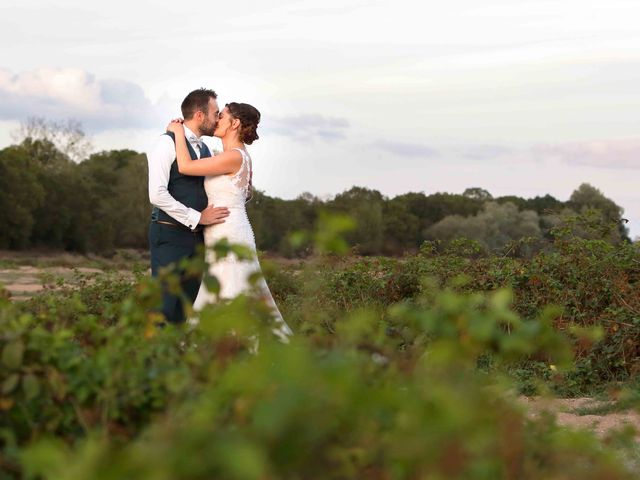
[(160, 158)]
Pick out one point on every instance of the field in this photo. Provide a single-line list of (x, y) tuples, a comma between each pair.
[(25, 274), (435, 365)]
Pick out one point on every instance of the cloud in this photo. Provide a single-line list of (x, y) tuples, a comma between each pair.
[(611, 154), (305, 127), (60, 93), (340, 8), (622, 153), (408, 149), (487, 152)]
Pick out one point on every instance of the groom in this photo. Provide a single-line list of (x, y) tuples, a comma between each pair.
[(180, 202)]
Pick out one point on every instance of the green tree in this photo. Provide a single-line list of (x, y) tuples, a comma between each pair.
[(274, 219), (494, 227), (366, 207), (477, 193), (20, 195), (402, 230), (587, 197), (119, 204), (440, 205), (131, 201)]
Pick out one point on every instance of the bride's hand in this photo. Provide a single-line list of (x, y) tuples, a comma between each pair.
[(176, 126)]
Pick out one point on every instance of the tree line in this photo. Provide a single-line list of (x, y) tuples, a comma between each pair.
[(50, 199)]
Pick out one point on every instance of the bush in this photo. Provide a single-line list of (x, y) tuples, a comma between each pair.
[(93, 388), (595, 283)]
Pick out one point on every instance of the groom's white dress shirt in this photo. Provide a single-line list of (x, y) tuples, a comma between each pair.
[(160, 157)]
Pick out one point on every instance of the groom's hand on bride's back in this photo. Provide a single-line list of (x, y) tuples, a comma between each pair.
[(212, 215)]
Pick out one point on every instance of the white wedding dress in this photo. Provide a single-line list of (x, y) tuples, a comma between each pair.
[(231, 191)]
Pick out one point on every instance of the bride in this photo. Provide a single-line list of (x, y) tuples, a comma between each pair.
[(229, 182)]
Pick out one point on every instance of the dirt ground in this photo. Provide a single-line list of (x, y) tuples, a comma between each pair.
[(26, 273), (25, 281), (567, 411)]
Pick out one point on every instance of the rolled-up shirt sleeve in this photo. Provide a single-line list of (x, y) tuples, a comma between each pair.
[(160, 157)]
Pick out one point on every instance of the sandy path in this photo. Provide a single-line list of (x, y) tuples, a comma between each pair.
[(25, 281), (565, 410)]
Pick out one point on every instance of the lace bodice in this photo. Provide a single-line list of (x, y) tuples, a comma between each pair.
[(231, 190)]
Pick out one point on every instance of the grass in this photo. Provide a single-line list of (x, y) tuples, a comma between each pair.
[(629, 399)]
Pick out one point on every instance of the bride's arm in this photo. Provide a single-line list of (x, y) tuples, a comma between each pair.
[(226, 162)]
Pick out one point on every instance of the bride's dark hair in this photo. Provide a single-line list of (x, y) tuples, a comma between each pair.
[(249, 117)]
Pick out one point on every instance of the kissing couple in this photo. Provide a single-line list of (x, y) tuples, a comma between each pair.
[(185, 182)]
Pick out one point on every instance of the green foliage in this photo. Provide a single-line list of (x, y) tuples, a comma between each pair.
[(129, 400), (399, 368), (594, 282), (274, 220), (494, 227), (366, 207), (477, 193), (21, 194), (47, 199)]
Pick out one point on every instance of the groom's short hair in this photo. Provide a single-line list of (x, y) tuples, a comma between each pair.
[(198, 100)]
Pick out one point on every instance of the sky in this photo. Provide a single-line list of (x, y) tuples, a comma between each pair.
[(518, 97)]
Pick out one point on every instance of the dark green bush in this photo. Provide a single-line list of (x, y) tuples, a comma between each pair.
[(595, 283)]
